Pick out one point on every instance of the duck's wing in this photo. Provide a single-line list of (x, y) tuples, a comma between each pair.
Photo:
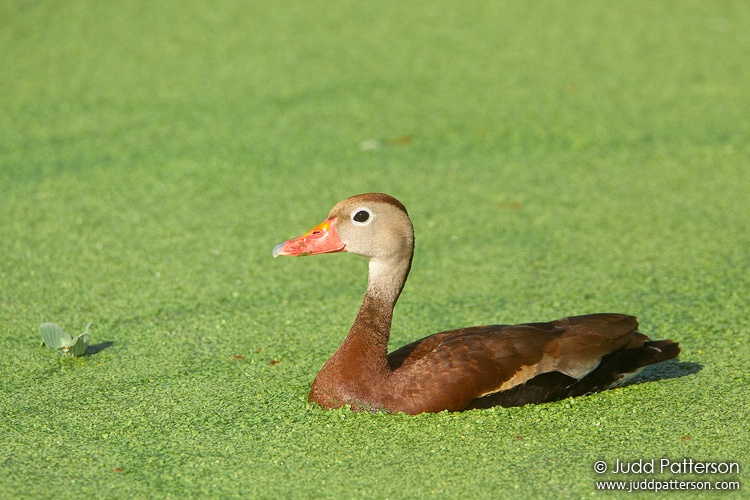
[(510, 365)]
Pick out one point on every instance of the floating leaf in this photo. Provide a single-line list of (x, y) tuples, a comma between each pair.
[(80, 345), (370, 144), (55, 338)]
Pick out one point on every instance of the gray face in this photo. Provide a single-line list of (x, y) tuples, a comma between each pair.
[(373, 228)]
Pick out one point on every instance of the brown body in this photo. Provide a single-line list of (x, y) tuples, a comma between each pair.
[(474, 367)]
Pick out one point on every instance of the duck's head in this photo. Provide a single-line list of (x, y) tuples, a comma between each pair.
[(374, 225)]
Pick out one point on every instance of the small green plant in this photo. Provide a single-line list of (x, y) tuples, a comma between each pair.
[(55, 337)]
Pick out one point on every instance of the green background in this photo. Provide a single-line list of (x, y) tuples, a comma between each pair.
[(556, 158)]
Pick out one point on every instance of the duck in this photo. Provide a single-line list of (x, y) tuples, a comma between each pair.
[(468, 368)]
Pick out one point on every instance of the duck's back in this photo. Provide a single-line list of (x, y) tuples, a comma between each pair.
[(511, 365)]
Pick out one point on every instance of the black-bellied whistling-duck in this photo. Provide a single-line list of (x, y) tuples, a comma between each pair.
[(474, 367)]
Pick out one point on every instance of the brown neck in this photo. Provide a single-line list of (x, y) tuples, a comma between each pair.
[(366, 345)]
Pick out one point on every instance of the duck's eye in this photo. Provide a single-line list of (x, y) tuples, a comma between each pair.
[(361, 216)]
